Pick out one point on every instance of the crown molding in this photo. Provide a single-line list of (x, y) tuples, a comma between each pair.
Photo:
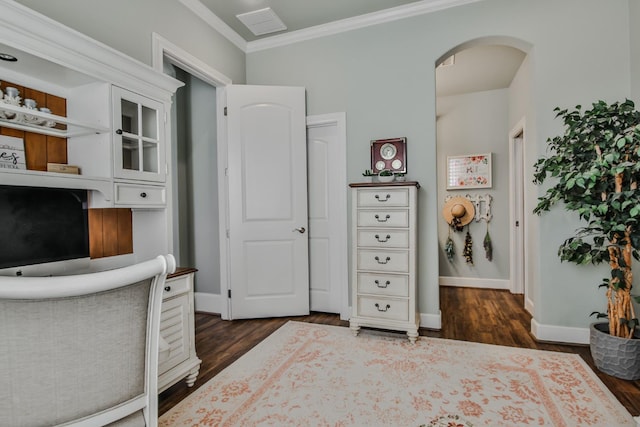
[(388, 15), (216, 23), (367, 20)]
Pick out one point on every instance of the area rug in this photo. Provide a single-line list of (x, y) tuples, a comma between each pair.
[(318, 375)]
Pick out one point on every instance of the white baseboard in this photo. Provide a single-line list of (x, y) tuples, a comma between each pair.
[(214, 303), (208, 303), (431, 321), (561, 334), (474, 282)]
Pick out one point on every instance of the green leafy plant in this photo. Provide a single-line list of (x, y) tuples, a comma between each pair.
[(399, 174), (596, 164), (385, 172), (368, 172)]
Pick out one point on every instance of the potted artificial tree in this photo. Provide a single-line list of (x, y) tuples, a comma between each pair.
[(597, 166)]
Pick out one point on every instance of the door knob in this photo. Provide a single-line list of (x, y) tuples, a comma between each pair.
[(300, 230)]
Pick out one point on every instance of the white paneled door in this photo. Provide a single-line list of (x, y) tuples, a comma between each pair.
[(327, 182), (267, 175)]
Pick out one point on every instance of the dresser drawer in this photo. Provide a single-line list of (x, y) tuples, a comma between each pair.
[(383, 308), (176, 286), (384, 238), (383, 284), (381, 260), (383, 218), (139, 195), (383, 197)]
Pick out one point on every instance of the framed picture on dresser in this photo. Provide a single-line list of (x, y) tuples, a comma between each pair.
[(389, 154)]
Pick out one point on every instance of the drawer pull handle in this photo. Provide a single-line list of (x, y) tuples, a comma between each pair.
[(377, 282), (383, 241), (386, 218), (383, 262), (385, 199), (167, 288), (387, 307), (143, 195)]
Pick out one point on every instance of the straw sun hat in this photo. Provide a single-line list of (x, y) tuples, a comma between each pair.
[(458, 212)]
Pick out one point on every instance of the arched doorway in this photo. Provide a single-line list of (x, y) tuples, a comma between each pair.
[(482, 92)]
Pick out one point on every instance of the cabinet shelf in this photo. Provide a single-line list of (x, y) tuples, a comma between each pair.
[(25, 177), (37, 118)]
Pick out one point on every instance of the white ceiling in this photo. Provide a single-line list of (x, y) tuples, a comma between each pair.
[(477, 68)]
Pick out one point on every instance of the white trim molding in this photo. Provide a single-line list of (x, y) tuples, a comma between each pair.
[(216, 23), (560, 334), (163, 48), (336, 27), (343, 25), (209, 303), (339, 120), (431, 321), (474, 282)]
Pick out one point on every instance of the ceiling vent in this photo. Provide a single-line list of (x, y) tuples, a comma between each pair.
[(263, 21)]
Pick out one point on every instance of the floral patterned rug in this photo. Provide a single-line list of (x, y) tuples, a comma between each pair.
[(318, 375)]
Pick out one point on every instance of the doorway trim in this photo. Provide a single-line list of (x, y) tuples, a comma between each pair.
[(339, 169), (161, 49), (518, 235)]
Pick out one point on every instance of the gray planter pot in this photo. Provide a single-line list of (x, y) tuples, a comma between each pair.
[(619, 357)]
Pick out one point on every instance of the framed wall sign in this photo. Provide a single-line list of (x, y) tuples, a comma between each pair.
[(389, 154), (471, 171), (12, 153)]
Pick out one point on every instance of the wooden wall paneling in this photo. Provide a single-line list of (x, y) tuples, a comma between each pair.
[(125, 231), (56, 146), (95, 233), (110, 232), (36, 95), (12, 132), (35, 149), (58, 106), (40, 149)]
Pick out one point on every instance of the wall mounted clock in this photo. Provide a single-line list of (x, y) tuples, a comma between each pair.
[(389, 154)]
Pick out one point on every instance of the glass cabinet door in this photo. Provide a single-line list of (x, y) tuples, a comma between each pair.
[(139, 137)]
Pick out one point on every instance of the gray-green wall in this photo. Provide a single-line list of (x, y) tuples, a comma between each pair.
[(476, 123), (383, 78), (127, 25)]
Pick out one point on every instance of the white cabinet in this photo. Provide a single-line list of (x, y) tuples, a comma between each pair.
[(384, 283), (177, 358), (138, 142), (139, 195)]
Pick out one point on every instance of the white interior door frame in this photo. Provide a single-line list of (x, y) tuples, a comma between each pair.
[(161, 49), (338, 224), (517, 235)]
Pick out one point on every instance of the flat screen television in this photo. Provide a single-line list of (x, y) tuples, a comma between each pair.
[(42, 225)]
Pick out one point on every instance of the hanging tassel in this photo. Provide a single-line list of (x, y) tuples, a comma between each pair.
[(488, 247), (468, 248), (449, 248)]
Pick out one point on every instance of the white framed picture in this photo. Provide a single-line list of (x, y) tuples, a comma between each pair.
[(12, 153), (469, 171)]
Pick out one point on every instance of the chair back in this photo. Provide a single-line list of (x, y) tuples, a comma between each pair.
[(82, 350)]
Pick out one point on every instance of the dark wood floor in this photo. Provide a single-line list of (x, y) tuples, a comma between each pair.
[(478, 315)]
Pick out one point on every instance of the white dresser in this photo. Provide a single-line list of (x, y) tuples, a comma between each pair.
[(384, 284), (177, 358)]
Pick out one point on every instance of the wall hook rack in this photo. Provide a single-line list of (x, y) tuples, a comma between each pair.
[(482, 203)]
